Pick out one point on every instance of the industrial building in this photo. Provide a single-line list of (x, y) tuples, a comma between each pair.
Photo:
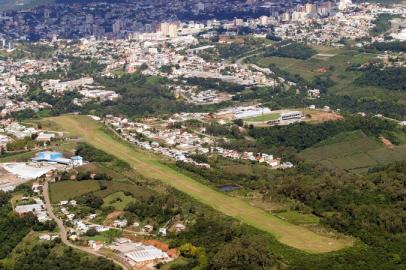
[(287, 118), (57, 157)]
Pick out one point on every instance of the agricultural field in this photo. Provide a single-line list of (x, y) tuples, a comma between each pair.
[(65, 190), (151, 167), (354, 151), (334, 63), (112, 187), (70, 189), (17, 157)]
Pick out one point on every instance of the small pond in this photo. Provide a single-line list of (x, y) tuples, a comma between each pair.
[(228, 187)]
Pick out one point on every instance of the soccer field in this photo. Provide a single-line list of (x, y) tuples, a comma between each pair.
[(263, 118), (150, 166)]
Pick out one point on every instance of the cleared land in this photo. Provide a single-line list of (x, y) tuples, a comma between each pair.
[(336, 66), (117, 200), (150, 167), (65, 190), (354, 151), (299, 218)]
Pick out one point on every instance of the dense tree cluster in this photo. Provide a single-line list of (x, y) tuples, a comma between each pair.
[(291, 50), (370, 207), (83, 67), (393, 78), (13, 228), (44, 256), (235, 50), (302, 135), (382, 24), (92, 154), (228, 245), (160, 208), (208, 83), (91, 200), (141, 96), (394, 46)]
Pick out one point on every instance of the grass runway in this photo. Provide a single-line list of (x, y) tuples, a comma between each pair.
[(149, 165)]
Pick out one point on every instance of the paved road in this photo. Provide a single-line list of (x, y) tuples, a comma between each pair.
[(240, 61), (64, 235)]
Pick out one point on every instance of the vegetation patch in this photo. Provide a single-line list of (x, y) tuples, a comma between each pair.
[(292, 50), (150, 167), (382, 24), (299, 218), (65, 190), (390, 78), (118, 200), (353, 151)]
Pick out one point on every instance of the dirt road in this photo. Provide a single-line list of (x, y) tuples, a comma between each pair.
[(63, 232)]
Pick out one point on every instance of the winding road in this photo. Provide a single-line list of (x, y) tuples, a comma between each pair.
[(64, 234)]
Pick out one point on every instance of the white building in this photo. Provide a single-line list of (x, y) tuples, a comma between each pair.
[(138, 254)]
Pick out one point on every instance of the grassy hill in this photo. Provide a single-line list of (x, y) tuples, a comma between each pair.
[(353, 151), (334, 62)]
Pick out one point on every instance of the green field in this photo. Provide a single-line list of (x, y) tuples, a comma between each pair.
[(336, 67), (353, 151), (66, 190), (117, 200), (263, 118), (299, 218), (18, 157), (150, 167)]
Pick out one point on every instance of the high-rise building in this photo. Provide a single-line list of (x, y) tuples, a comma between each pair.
[(344, 4), (310, 8), (298, 16), (168, 29), (89, 18), (264, 20), (285, 17), (200, 6), (238, 22), (116, 26), (46, 13)]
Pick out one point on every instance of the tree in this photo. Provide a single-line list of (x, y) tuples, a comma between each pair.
[(243, 253), (112, 234)]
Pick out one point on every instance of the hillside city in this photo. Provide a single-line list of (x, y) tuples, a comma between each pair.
[(202, 134)]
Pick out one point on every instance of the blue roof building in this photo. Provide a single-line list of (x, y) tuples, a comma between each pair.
[(57, 157), (49, 156)]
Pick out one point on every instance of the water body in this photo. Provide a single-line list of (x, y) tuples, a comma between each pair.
[(226, 188)]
